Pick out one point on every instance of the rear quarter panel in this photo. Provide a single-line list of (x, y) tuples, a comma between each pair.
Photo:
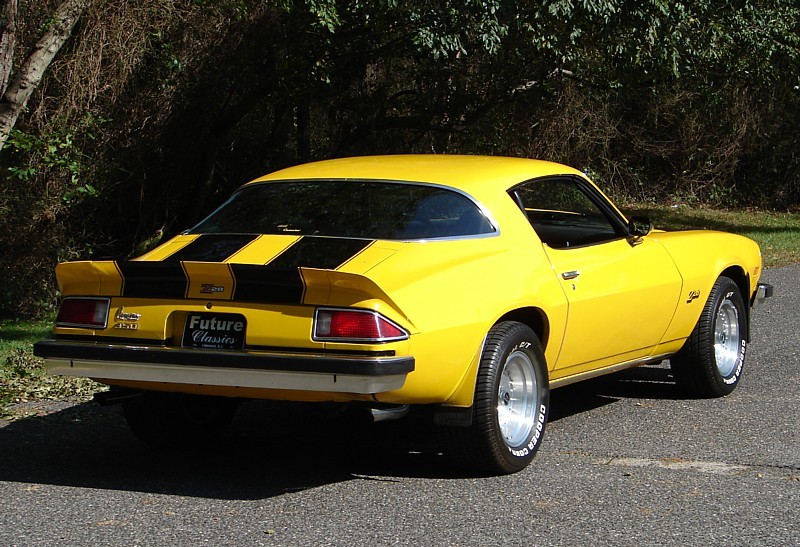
[(452, 293)]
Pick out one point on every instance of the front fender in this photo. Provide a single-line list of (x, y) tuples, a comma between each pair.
[(701, 257)]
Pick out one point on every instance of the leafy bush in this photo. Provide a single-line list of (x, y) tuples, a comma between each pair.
[(23, 379), (690, 101)]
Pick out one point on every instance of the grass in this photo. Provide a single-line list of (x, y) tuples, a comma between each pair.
[(778, 234), (23, 378), (22, 375)]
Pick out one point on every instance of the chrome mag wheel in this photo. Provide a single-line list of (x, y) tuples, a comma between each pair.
[(727, 338), (517, 399)]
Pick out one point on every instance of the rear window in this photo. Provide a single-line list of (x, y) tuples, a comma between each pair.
[(368, 209)]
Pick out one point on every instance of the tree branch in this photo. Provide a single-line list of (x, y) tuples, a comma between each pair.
[(32, 70), (8, 39)]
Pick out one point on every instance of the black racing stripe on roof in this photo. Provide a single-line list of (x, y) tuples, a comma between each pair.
[(325, 253), (211, 248), (153, 279)]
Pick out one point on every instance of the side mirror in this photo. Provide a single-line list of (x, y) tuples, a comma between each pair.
[(638, 227)]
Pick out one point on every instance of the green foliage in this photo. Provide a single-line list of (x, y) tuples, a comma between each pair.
[(22, 375), (777, 234), (325, 12), (691, 101), (457, 28), (58, 152)]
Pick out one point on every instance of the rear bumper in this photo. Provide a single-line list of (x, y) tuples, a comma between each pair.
[(250, 369)]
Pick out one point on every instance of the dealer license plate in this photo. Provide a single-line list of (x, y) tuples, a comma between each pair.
[(214, 331)]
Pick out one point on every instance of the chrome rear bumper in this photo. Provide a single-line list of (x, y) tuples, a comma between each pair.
[(252, 369)]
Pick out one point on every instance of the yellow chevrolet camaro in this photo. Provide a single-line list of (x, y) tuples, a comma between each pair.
[(464, 287)]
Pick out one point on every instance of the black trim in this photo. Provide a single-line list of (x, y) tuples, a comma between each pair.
[(273, 349), (211, 248), (356, 365), (111, 340), (327, 351)]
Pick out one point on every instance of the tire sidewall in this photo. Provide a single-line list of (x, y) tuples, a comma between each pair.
[(523, 340), (728, 290)]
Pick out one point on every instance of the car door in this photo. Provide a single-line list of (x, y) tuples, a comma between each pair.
[(622, 291)]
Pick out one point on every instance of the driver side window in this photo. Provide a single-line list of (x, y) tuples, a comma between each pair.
[(564, 212)]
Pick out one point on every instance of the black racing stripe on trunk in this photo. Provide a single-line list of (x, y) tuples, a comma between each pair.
[(153, 279), (325, 253), (280, 281), (211, 248), (255, 283)]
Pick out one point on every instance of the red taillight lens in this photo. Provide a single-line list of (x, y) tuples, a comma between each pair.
[(355, 326), (90, 313)]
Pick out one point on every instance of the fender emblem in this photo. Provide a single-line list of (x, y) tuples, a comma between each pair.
[(693, 295)]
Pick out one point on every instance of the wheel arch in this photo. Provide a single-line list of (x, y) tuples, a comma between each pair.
[(533, 317)]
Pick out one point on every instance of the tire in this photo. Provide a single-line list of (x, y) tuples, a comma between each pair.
[(512, 381), (176, 421), (711, 361)]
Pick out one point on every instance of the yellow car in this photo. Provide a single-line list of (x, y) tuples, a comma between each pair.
[(465, 287)]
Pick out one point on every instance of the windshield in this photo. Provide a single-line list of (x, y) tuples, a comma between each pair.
[(359, 209)]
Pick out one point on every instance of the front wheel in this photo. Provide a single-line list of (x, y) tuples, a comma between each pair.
[(710, 363), (510, 405)]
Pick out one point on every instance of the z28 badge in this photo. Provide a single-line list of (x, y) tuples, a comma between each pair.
[(209, 288)]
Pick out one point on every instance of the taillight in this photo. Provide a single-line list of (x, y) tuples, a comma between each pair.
[(342, 325), (90, 313)]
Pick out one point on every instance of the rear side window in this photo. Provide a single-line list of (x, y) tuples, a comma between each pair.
[(359, 209)]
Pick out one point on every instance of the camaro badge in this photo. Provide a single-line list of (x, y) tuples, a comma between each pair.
[(693, 295), (126, 320), (210, 288)]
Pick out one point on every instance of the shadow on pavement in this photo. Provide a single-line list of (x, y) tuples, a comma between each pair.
[(271, 449), (265, 454), (646, 382)]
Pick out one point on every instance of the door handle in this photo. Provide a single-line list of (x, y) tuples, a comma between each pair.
[(566, 276)]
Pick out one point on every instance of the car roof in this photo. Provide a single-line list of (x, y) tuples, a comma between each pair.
[(473, 174)]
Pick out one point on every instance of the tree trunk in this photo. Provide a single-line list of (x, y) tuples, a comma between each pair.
[(30, 73), (8, 39)]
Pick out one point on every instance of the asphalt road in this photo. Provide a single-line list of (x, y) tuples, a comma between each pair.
[(625, 461)]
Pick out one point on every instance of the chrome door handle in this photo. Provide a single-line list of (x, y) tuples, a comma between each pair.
[(566, 276)]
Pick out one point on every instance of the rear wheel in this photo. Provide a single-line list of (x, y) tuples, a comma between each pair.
[(710, 363), (179, 420), (510, 406)]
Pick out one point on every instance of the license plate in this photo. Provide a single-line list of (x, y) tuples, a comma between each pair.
[(214, 331)]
